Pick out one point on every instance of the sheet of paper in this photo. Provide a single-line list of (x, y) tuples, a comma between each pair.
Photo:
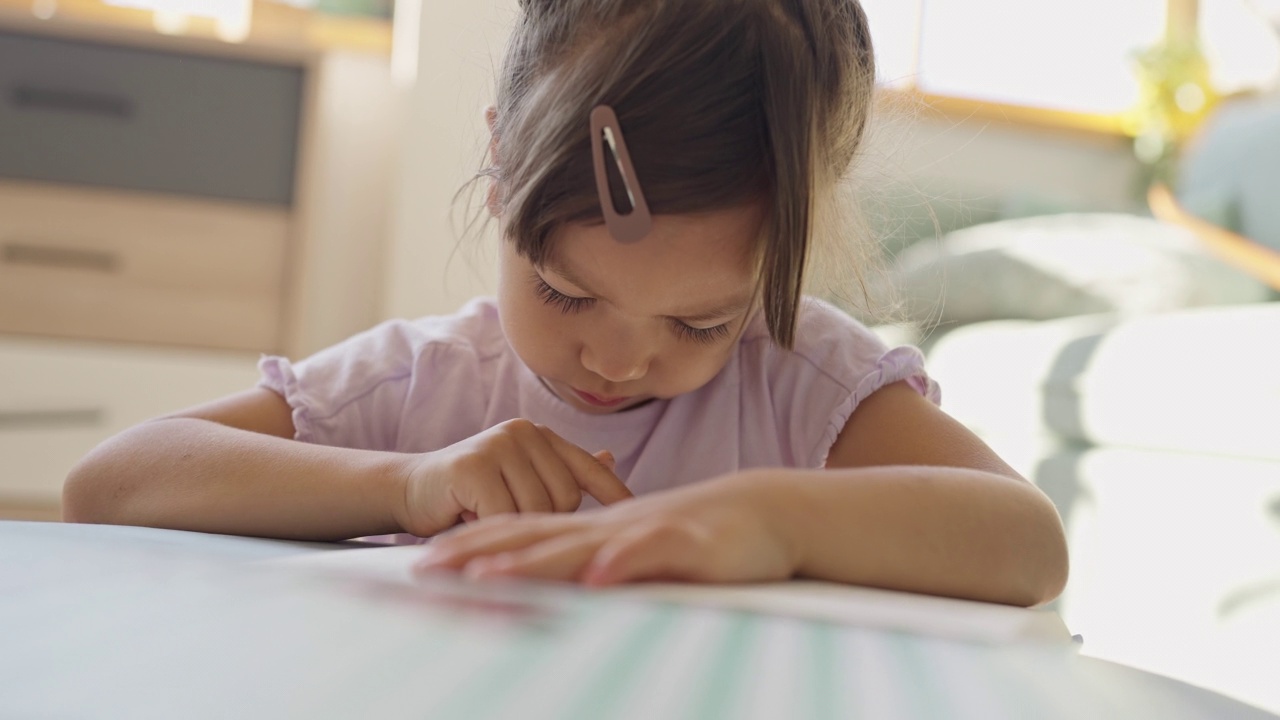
[(827, 602)]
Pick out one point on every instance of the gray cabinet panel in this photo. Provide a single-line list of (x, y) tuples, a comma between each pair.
[(147, 120)]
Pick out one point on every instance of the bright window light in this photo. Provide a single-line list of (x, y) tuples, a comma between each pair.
[(895, 30), (1241, 43), (1063, 55)]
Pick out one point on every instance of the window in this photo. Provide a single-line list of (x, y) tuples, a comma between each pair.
[(1074, 56)]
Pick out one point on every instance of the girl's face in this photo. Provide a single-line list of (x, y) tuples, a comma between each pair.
[(609, 326)]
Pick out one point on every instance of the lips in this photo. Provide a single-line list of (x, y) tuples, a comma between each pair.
[(599, 400)]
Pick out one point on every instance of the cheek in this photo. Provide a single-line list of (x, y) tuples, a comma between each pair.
[(690, 369), (536, 332)]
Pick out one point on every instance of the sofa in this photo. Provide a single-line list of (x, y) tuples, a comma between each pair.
[(1129, 365), (1134, 376), (1158, 438)]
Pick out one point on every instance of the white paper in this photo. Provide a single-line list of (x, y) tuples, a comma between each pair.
[(810, 600)]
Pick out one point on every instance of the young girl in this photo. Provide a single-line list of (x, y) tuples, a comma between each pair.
[(658, 166)]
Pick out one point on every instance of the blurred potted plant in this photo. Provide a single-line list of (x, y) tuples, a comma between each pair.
[(1176, 95)]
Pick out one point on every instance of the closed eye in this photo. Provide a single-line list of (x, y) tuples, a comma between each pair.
[(700, 335), (566, 303), (570, 304)]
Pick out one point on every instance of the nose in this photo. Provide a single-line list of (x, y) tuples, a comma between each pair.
[(616, 357)]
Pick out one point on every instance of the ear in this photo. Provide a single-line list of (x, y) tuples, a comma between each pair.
[(491, 119), (493, 195)]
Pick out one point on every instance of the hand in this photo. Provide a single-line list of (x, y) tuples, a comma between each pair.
[(723, 530), (514, 467)]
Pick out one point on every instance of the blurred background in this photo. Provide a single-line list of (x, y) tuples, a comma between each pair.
[(1075, 209)]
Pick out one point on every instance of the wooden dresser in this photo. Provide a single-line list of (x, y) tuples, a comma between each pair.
[(170, 209)]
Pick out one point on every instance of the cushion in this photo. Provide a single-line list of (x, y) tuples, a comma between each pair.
[(1199, 381), (1056, 266)]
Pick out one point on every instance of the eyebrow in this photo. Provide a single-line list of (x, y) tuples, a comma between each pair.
[(726, 310)]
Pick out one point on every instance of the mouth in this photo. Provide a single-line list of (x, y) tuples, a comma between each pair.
[(600, 400)]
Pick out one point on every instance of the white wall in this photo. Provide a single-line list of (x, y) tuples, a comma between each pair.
[(351, 176), (970, 169), (444, 139), (994, 159)]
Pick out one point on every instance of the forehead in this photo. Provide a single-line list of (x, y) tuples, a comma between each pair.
[(712, 251)]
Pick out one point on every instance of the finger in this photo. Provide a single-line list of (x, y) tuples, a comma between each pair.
[(524, 483), (485, 496), (608, 459), (561, 557), (591, 474), (556, 477), (654, 552), (468, 516), (455, 548)]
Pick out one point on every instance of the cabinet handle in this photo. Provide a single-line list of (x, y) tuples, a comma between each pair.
[(35, 419), (77, 102), (16, 253)]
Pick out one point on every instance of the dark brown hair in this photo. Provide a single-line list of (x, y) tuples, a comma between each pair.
[(722, 103)]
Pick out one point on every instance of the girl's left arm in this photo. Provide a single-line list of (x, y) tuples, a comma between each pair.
[(912, 500), (909, 500)]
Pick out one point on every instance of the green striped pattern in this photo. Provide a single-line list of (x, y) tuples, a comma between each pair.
[(508, 684), (598, 658)]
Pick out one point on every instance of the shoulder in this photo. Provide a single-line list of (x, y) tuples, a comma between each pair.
[(812, 389), (828, 343), (473, 330), (396, 349), (375, 373)]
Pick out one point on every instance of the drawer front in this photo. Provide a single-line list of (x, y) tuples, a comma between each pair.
[(59, 399), (35, 462), (146, 120), (115, 266)]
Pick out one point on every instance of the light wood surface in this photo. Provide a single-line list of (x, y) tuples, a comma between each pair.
[(275, 27), (105, 264), (30, 510), (349, 127), (117, 306), (1104, 128), (1251, 257), (60, 398)]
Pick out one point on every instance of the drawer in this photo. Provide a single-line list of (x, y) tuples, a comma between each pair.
[(86, 113), (118, 266), (34, 462), (59, 399)]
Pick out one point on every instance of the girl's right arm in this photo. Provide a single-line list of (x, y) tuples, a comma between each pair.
[(232, 467)]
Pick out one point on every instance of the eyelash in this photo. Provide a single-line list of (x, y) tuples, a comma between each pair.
[(568, 304), (701, 335)]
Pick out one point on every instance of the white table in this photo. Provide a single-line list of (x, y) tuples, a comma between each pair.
[(111, 622)]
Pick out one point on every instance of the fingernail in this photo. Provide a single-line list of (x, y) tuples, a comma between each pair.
[(427, 565), (596, 576), (607, 458), (433, 554), (482, 567), (431, 569)]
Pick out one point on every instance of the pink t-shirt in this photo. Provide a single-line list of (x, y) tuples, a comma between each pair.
[(421, 385)]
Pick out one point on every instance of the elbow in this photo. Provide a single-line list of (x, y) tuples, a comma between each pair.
[(80, 503), (1042, 580), (94, 491), (1054, 575), (1043, 565), (108, 483)]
